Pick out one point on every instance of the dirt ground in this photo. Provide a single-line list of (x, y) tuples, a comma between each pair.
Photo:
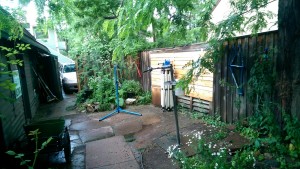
[(149, 135)]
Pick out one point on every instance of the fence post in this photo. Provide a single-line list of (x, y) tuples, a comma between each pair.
[(191, 103)]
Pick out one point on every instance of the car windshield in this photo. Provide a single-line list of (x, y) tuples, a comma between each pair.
[(69, 68)]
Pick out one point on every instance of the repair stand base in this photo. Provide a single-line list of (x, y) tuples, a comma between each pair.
[(119, 110)]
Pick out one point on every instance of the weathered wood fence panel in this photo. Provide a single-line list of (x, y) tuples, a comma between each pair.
[(227, 102), (201, 95), (194, 104), (179, 57), (144, 63)]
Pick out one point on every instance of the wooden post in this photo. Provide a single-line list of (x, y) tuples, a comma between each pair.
[(191, 103), (77, 73)]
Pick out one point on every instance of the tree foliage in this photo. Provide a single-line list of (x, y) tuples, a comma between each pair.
[(127, 25), (9, 25), (111, 30), (245, 16)]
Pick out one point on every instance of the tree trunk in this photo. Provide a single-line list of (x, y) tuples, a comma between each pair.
[(288, 60)]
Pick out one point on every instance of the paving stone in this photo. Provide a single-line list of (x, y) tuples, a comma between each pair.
[(96, 134), (74, 137), (77, 118), (87, 125), (78, 157), (157, 158), (150, 118), (110, 153), (128, 126), (125, 165), (166, 141)]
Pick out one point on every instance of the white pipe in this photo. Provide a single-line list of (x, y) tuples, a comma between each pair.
[(166, 90), (162, 93)]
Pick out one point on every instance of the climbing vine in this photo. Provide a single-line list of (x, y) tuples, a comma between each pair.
[(239, 20), (13, 31)]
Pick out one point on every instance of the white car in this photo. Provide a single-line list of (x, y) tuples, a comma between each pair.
[(68, 77)]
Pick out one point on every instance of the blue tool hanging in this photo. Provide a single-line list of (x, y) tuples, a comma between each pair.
[(237, 63)]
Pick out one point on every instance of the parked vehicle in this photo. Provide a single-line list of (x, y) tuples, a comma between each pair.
[(68, 77)]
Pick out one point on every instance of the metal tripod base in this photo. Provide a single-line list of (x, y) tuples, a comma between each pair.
[(119, 110)]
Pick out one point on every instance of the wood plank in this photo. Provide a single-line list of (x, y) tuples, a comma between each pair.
[(191, 103), (201, 101), (201, 110), (204, 95), (184, 101), (183, 97), (201, 105), (251, 59), (193, 47), (243, 105), (196, 88), (223, 109), (184, 105), (229, 80), (216, 90), (156, 92)]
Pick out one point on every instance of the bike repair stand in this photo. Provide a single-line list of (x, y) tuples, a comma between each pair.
[(165, 66), (118, 109)]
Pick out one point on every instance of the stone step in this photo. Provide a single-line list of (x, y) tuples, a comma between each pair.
[(110, 153)]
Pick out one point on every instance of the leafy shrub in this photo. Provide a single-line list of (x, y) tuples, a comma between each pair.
[(103, 91), (83, 95), (210, 155), (31, 163), (131, 86), (145, 98)]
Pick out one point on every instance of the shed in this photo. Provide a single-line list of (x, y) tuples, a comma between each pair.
[(38, 64)]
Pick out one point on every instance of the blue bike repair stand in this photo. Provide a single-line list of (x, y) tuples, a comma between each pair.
[(118, 109)]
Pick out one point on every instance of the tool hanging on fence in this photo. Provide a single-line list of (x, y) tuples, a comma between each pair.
[(237, 63), (50, 96)]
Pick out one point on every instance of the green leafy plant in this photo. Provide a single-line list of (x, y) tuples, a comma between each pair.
[(9, 23), (21, 156), (220, 134), (292, 137), (10, 59), (215, 121), (103, 91), (249, 133), (243, 159), (144, 98), (131, 86), (262, 79), (210, 155)]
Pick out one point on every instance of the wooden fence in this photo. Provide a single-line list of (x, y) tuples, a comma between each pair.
[(144, 63), (228, 101), (201, 95)]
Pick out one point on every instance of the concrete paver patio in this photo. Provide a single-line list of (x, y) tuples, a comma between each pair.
[(102, 144)]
